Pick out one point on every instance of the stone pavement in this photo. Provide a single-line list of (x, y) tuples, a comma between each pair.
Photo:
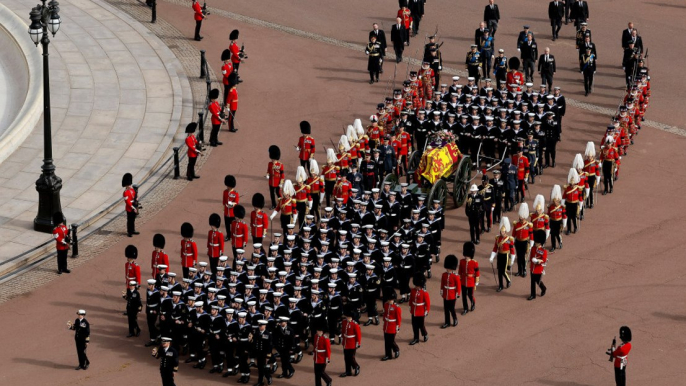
[(119, 99)]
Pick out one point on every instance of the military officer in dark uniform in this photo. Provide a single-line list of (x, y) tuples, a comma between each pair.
[(133, 306), (381, 39), (82, 332), (486, 49), (498, 185), (500, 66), (552, 136), (487, 191), (169, 361), (531, 151), (473, 63), (474, 209), (262, 348), (373, 50), (588, 68), (284, 343)]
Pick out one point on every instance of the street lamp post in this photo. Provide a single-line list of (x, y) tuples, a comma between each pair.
[(44, 19)]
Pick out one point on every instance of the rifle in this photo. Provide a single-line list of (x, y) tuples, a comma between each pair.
[(610, 350), (205, 11)]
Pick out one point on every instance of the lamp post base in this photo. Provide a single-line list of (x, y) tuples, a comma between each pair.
[(48, 187)]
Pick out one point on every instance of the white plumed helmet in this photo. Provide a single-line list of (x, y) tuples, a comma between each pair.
[(539, 202), (556, 193), (288, 189), (358, 127), (351, 134), (578, 163), (300, 174), (590, 150), (314, 167), (343, 142), (505, 223), (573, 176), (331, 156), (524, 210), (609, 139)]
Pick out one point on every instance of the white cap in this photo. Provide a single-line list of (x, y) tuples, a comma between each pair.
[(152, 281), (132, 282), (474, 188), (199, 304), (81, 312)]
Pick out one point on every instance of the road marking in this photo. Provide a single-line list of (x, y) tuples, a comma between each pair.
[(448, 70)]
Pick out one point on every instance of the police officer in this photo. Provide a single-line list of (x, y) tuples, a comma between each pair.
[(82, 332), (169, 361), (474, 208)]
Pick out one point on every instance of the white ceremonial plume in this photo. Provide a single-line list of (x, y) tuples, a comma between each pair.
[(331, 156), (505, 223), (343, 143), (578, 163), (314, 167), (573, 176), (609, 139), (300, 174), (539, 203), (524, 210), (351, 134), (556, 193), (288, 189), (590, 150), (358, 127)]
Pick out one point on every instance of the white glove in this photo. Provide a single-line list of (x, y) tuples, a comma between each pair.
[(322, 196), (297, 148), (547, 233), (587, 190), (492, 257), (563, 202), (271, 217), (564, 223), (620, 157), (519, 50), (440, 68), (597, 179), (309, 204), (534, 260), (531, 243), (512, 258)]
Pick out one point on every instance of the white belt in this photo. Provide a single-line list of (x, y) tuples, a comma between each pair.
[(406, 267), (243, 339), (188, 254), (334, 308), (258, 226), (152, 305), (419, 304), (354, 300), (214, 245), (317, 316), (321, 350), (390, 320), (238, 235), (216, 332), (349, 336), (371, 290), (388, 279), (449, 287)]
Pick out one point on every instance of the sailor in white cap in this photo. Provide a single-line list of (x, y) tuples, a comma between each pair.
[(262, 346), (169, 361), (82, 332), (133, 307), (152, 310), (284, 343)]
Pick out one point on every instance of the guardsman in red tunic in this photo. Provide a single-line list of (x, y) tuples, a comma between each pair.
[(592, 170), (231, 101), (392, 319), (322, 356), (158, 255), (515, 79), (194, 150), (215, 110), (330, 173), (405, 140), (469, 276), (215, 242), (450, 289), (189, 249), (539, 220), (61, 235), (343, 157), (230, 199), (420, 305), (342, 189), (354, 142), (287, 206), (130, 202), (132, 271), (239, 231), (523, 234), (620, 354), (259, 221), (374, 132), (275, 173), (557, 215), (405, 16), (583, 185), (521, 161), (236, 55), (352, 340), (539, 259), (504, 250), (571, 199), (198, 16), (316, 184), (303, 200), (609, 158), (227, 70), (306, 145)]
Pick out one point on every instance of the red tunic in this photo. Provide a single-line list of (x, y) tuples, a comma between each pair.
[(571, 194), (189, 253), (197, 11), (522, 164), (523, 231), (469, 271), (302, 193), (541, 254), (306, 146), (230, 196), (620, 354), (239, 234), (351, 334), (406, 17), (322, 349), (275, 172), (159, 258), (343, 161), (59, 234), (557, 212), (215, 244), (392, 318), (232, 99), (540, 222), (504, 245), (420, 302), (235, 58), (132, 271), (129, 195), (330, 173), (405, 142), (214, 110), (191, 143), (609, 154), (286, 206), (259, 223), (591, 168), (227, 69), (342, 190), (450, 286)]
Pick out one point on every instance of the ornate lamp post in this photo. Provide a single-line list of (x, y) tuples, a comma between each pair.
[(44, 19)]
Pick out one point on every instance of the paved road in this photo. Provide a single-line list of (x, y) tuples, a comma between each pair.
[(621, 268)]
